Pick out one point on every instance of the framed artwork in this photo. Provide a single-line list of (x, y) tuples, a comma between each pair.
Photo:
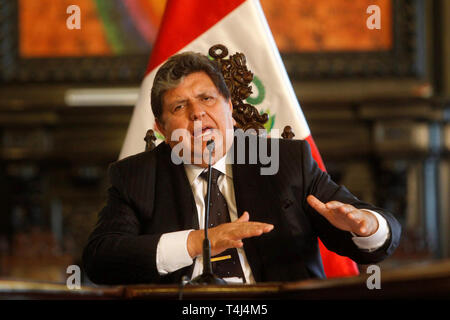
[(112, 43), (317, 39), (331, 39)]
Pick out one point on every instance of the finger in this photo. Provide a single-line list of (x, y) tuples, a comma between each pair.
[(360, 228), (252, 229), (351, 213), (268, 228), (334, 204), (358, 223), (244, 217), (234, 244), (264, 227), (223, 245), (367, 224), (363, 227), (248, 232), (317, 205), (347, 209)]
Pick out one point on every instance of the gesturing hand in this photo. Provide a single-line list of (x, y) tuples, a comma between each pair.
[(345, 216), (227, 235)]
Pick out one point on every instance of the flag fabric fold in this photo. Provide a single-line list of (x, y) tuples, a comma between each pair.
[(240, 25)]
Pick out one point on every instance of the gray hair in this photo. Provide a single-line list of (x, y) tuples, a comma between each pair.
[(173, 71)]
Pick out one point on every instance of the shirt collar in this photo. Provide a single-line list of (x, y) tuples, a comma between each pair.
[(223, 165)]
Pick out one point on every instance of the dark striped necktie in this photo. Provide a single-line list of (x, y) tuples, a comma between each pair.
[(225, 264)]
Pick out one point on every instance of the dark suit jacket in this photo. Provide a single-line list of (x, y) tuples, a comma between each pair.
[(150, 195)]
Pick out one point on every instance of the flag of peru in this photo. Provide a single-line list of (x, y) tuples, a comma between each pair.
[(240, 25)]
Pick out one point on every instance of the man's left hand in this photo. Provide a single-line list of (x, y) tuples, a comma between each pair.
[(345, 216)]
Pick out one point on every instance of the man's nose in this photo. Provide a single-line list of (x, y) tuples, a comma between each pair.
[(197, 111)]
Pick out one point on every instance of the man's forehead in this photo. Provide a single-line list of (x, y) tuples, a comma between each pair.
[(193, 84), (196, 79)]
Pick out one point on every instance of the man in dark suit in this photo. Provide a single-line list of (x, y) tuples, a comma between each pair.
[(148, 232)]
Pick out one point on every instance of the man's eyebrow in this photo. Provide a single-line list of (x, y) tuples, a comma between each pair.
[(176, 101), (205, 93)]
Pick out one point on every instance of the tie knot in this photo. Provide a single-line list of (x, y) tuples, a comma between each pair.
[(215, 174)]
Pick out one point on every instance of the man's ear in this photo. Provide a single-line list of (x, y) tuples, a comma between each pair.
[(231, 110), (230, 104), (160, 128)]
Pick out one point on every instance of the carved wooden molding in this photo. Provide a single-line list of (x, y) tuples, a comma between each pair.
[(288, 133), (150, 139), (238, 79)]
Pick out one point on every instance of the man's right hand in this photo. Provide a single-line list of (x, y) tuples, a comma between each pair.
[(227, 235)]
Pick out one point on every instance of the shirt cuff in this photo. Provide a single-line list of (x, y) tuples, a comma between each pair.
[(376, 240), (172, 253)]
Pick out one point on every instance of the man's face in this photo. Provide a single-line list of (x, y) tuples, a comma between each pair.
[(197, 108)]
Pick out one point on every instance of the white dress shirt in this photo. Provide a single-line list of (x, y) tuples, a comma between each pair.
[(172, 253)]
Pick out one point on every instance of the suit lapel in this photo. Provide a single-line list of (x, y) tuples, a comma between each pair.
[(253, 194), (187, 210)]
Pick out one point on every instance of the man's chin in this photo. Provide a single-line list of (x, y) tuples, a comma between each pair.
[(202, 158)]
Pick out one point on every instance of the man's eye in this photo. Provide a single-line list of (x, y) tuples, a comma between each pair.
[(177, 108)]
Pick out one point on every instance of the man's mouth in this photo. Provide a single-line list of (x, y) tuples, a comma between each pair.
[(204, 131)]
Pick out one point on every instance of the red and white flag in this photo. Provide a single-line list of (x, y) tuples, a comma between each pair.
[(240, 25)]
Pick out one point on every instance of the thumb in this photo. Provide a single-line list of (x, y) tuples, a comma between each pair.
[(317, 205), (244, 218)]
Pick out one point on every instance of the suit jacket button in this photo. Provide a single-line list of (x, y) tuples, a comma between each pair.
[(287, 203)]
